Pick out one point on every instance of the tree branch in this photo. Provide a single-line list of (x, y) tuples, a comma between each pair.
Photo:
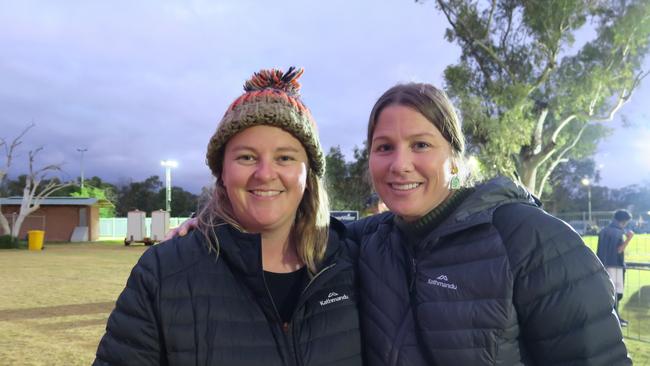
[(472, 41), (561, 126), (10, 148), (539, 128), (494, 57), (489, 21), (506, 34), (559, 157), (623, 98), (592, 105)]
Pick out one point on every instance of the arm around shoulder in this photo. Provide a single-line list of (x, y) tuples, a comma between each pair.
[(356, 230), (132, 333), (563, 296)]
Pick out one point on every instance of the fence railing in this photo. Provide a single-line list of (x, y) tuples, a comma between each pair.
[(598, 218), (636, 302), (116, 227)]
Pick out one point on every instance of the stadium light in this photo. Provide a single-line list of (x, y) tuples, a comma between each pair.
[(168, 164)]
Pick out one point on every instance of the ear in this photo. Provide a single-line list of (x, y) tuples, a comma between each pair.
[(220, 181)]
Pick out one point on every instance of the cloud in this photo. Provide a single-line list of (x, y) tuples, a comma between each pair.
[(137, 82)]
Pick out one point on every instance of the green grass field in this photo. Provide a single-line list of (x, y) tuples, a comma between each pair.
[(54, 304), (636, 301)]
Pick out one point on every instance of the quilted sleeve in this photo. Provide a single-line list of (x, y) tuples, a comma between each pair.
[(563, 296), (133, 333)]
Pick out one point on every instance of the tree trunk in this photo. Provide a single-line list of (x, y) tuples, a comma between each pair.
[(528, 175), (25, 210), (15, 231), (4, 224)]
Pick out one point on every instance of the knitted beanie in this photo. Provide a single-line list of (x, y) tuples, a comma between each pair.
[(270, 98)]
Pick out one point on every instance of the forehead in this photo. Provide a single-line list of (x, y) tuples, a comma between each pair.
[(404, 121), (264, 137)]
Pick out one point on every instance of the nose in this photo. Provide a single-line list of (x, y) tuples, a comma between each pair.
[(402, 161), (265, 170)]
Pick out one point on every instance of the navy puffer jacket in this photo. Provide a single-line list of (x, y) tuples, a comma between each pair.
[(184, 306), (499, 282)]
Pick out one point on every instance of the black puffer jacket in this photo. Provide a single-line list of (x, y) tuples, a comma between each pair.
[(184, 306), (499, 282)]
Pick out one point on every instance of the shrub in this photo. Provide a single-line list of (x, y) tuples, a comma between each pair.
[(8, 242)]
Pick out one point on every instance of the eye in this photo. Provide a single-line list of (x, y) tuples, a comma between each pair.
[(421, 145), (383, 148), (245, 158), (285, 158)]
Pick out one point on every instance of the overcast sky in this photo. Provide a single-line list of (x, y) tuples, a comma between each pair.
[(138, 82)]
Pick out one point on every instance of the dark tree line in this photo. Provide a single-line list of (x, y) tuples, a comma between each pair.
[(348, 183), (569, 194), (349, 187), (149, 195)]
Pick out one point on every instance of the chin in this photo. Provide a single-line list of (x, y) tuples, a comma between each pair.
[(405, 212)]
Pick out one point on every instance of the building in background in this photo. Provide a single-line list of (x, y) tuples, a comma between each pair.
[(59, 217)]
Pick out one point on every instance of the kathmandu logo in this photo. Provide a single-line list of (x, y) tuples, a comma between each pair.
[(442, 281), (333, 297)]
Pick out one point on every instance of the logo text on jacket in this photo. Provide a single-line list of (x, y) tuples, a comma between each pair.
[(333, 297), (442, 281)]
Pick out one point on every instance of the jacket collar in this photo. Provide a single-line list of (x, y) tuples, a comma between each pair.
[(243, 253), (243, 250), (479, 207)]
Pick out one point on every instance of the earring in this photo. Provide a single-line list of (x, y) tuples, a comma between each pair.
[(454, 182)]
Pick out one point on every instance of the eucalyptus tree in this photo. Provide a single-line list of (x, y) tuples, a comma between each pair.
[(536, 79)]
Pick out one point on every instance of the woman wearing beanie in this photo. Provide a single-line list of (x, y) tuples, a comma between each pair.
[(265, 279), (458, 274)]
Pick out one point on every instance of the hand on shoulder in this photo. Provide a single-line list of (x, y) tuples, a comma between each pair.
[(183, 229)]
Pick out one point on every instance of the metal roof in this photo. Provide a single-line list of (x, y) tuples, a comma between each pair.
[(54, 201)]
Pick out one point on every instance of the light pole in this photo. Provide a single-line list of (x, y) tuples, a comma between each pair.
[(587, 183), (168, 164), (82, 151)]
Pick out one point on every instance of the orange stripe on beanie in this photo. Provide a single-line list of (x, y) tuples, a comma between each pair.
[(271, 97)]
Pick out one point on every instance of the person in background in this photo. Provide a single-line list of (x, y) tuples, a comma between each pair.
[(612, 241), (464, 274), (265, 280), (374, 205)]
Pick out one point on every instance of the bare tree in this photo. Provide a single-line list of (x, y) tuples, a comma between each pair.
[(34, 191)]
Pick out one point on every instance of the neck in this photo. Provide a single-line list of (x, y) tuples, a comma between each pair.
[(416, 230), (279, 252)]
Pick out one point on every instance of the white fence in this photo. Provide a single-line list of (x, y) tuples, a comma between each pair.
[(115, 227)]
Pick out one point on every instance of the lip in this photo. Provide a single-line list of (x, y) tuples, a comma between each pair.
[(265, 193), (404, 186)]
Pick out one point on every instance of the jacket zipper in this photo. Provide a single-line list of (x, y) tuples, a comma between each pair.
[(414, 271), (284, 327), (414, 262), (288, 327)]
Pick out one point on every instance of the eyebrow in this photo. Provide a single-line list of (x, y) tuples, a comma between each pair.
[(417, 135), (280, 149)]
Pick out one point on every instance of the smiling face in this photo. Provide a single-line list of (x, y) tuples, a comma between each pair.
[(410, 162), (265, 175)]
